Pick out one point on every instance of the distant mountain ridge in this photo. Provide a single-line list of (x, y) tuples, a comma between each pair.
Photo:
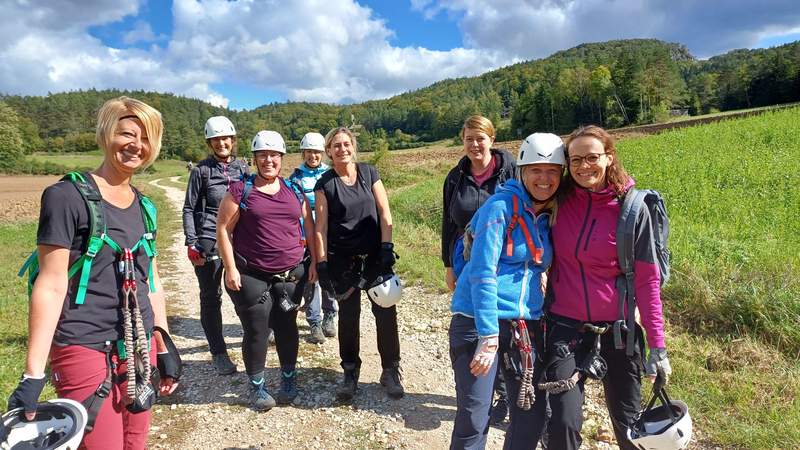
[(613, 83)]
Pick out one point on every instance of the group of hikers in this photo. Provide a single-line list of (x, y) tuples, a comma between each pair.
[(529, 246)]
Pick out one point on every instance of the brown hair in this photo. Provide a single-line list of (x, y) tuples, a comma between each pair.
[(116, 109), (479, 123), (616, 176)]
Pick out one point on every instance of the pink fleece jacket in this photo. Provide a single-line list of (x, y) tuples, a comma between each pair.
[(585, 267)]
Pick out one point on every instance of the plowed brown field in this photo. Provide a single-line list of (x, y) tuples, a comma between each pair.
[(20, 195)]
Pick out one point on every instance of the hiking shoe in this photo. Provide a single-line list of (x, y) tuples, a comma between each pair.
[(271, 337), (288, 391), (392, 380), (499, 411), (349, 385), (329, 324), (223, 364), (260, 400), (316, 336)]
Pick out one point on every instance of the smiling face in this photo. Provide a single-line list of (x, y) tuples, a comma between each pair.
[(312, 158), (477, 145), (541, 180), (129, 147), (341, 150), (268, 163), (222, 146), (588, 175)]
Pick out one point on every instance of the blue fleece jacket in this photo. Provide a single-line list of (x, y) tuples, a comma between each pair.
[(304, 179), (496, 286)]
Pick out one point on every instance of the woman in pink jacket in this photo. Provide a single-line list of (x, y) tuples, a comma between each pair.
[(584, 296)]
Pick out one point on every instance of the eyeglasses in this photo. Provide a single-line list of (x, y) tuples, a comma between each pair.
[(262, 156), (591, 159)]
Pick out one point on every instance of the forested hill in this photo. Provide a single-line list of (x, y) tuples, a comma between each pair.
[(613, 83)]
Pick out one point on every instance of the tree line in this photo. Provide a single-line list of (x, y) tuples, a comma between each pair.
[(614, 83)]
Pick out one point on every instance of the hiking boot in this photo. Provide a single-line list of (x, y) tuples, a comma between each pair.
[(288, 391), (499, 411), (392, 380), (349, 385), (260, 400), (271, 337), (223, 364), (329, 324), (316, 336)]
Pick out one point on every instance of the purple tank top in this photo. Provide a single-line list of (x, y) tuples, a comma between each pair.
[(268, 234)]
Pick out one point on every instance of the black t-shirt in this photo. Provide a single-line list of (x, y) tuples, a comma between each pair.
[(64, 222), (353, 226)]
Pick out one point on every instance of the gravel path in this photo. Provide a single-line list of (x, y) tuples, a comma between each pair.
[(210, 411)]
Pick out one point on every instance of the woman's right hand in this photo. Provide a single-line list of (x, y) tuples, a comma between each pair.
[(233, 280), (450, 278), (195, 256), (26, 395)]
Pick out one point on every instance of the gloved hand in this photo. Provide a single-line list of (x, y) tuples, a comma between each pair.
[(324, 277), (195, 256), (658, 363), (387, 256), (484, 356), (27, 395), (170, 364)]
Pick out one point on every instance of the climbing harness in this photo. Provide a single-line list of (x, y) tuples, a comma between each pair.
[(521, 338)]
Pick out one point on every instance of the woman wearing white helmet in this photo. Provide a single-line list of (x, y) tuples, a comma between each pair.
[(498, 300), (320, 304), (208, 182), (354, 243), (262, 248)]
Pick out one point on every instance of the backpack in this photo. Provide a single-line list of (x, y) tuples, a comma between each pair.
[(97, 236), (465, 241), (249, 180), (635, 200)]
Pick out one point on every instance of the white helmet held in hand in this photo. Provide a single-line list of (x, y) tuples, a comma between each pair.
[(666, 427), (386, 290), (313, 141), (58, 425), (219, 126), (541, 148), (269, 140)]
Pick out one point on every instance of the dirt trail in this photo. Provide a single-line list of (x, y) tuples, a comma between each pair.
[(210, 411)]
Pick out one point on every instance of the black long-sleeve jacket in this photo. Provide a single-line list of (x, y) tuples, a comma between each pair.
[(208, 183), (462, 197)]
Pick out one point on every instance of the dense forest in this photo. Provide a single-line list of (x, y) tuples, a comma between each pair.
[(613, 83)]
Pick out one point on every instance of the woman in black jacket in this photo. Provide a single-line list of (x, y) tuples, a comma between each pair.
[(467, 186)]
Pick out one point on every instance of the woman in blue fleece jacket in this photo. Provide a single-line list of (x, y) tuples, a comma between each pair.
[(499, 298)]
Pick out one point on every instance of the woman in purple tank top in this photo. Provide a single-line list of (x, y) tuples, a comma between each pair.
[(262, 247)]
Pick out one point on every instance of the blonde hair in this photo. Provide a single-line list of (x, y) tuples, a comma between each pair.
[(116, 109), (332, 134), (479, 123)]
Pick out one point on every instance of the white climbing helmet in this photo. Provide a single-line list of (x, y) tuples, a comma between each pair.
[(269, 140), (313, 141), (541, 148), (386, 290), (665, 427), (219, 126), (58, 425)]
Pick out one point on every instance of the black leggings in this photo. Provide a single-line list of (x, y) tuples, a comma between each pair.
[(257, 305), (209, 276)]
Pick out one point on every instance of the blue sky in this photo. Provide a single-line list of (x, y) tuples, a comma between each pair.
[(246, 53)]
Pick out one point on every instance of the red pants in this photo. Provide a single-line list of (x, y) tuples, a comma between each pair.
[(76, 373)]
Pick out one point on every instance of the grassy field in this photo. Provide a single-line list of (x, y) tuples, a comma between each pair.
[(733, 303)]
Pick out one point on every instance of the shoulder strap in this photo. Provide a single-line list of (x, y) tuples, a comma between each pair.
[(248, 186), (626, 236), (148, 240), (296, 189), (516, 219)]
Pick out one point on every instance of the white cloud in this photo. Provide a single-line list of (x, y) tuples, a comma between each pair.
[(141, 32)]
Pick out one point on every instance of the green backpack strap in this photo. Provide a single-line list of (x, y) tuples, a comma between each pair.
[(148, 240), (97, 231)]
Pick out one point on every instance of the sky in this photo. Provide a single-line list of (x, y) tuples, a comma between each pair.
[(246, 53)]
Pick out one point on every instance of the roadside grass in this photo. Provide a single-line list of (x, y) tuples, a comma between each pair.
[(733, 302)]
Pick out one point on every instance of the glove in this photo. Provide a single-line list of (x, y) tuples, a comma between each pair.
[(658, 364), (27, 393), (387, 256), (194, 255), (324, 276), (484, 356), (169, 363)]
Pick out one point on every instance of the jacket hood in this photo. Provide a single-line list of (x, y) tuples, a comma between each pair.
[(305, 169)]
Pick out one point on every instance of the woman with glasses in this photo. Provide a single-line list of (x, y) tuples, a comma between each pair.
[(585, 303)]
